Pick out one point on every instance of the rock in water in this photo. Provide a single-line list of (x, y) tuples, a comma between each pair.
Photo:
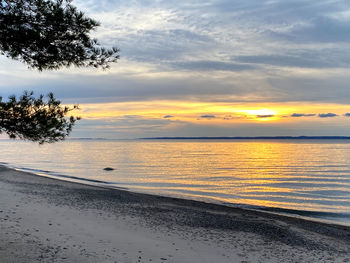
[(108, 169)]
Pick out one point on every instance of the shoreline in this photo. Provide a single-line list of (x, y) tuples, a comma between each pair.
[(215, 232), (298, 214), (93, 183)]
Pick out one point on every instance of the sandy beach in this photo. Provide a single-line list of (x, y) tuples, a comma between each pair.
[(47, 220)]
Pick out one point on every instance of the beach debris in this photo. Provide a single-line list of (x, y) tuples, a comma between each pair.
[(108, 169)]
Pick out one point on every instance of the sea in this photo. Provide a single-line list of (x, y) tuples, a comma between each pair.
[(300, 178)]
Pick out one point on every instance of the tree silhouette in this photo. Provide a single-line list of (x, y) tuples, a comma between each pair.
[(46, 35), (35, 119)]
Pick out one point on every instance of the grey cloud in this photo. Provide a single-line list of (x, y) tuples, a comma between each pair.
[(207, 65), (230, 117), (118, 88), (237, 6), (162, 45), (327, 115), (131, 117), (196, 34), (313, 89), (305, 59), (126, 127), (126, 122), (347, 114), (168, 116), (320, 29), (208, 116), (297, 115), (326, 30), (280, 8), (174, 45)]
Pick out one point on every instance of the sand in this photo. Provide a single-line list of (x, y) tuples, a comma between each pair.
[(47, 220)]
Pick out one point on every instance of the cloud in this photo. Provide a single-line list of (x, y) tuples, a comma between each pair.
[(297, 115), (327, 58), (206, 65), (347, 114), (163, 46), (313, 88), (235, 117), (168, 116), (327, 115), (322, 29), (208, 117), (125, 126)]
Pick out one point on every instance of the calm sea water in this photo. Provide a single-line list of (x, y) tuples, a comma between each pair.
[(306, 178)]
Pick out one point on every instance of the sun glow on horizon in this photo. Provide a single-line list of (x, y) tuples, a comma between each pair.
[(188, 118), (209, 112), (260, 114)]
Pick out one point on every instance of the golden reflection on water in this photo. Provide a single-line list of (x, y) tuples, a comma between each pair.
[(300, 175), (256, 173)]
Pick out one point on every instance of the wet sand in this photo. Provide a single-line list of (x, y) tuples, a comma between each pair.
[(47, 220)]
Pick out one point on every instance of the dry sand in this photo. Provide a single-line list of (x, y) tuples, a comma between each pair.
[(47, 220)]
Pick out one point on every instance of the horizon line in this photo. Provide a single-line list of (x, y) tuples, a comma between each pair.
[(249, 138)]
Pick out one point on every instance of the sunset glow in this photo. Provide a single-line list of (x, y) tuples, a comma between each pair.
[(189, 110)]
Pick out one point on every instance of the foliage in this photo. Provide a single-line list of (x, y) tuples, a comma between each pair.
[(46, 35), (50, 34), (35, 119)]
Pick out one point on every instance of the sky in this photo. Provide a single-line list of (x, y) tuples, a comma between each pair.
[(207, 68)]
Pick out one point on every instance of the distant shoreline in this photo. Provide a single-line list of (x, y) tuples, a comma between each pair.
[(253, 138)]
